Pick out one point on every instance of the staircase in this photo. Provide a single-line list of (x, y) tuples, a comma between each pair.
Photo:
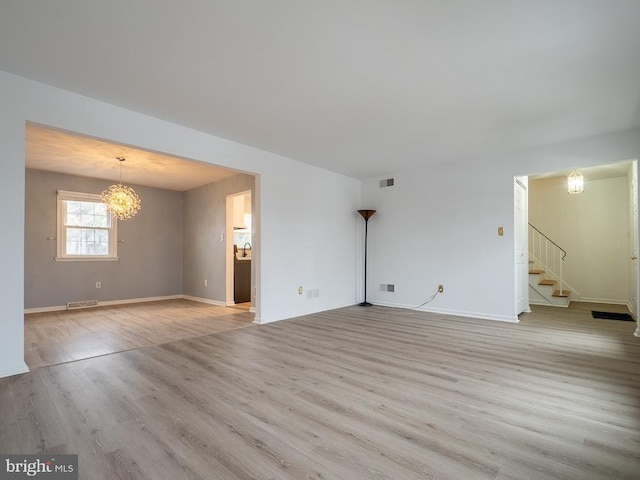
[(544, 290), (546, 283)]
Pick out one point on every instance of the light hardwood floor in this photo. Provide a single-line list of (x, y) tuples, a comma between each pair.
[(354, 393), (64, 336)]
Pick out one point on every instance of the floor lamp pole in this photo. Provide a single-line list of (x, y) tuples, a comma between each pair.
[(366, 214)]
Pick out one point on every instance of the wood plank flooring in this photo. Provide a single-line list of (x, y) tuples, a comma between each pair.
[(354, 393), (64, 336)]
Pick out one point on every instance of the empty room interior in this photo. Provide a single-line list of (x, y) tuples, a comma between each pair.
[(344, 240)]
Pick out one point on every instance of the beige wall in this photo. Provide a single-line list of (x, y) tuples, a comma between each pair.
[(593, 228)]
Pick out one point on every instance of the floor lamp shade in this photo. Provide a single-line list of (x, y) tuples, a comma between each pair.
[(366, 214)]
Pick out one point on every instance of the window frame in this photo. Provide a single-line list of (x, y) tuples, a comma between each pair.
[(61, 254)]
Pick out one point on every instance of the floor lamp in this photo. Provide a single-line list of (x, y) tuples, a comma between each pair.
[(366, 214)]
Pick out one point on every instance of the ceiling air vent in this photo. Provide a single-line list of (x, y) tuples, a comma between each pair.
[(387, 182)]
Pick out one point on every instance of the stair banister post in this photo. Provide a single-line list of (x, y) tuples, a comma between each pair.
[(561, 289), (533, 242), (546, 252)]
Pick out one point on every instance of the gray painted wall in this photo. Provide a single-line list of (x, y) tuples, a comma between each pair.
[(204, 221), (150, 263)]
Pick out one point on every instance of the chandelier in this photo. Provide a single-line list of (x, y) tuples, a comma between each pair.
[(575, 182), (122, 201)]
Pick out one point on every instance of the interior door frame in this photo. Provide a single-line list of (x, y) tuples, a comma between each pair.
[(634, 268), (229, 290), (521, 281), (633, 239)]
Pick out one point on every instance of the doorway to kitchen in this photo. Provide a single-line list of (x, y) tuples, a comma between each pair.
[(239, 290)]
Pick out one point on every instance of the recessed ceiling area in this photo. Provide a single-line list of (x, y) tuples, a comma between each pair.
[(63, 152)]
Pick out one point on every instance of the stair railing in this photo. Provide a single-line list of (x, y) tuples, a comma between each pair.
[(548, 254)]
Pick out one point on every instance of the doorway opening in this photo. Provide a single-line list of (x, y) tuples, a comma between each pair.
[(239, 250), (597, 229), (170, 255)]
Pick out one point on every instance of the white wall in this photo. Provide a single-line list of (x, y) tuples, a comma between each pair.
[(593, 229), (309, 241), (11, 239), (438, 225), (315, 220)]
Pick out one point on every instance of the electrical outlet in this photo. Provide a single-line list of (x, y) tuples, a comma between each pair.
[(440, 288), (206, 283), (98, 284), (300, 290)]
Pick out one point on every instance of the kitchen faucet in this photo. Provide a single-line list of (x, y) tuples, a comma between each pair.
[(244, 249)]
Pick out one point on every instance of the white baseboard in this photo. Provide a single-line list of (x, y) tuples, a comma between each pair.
[(547, 304), (217, 303), (602, 300), (455, 313), (44, 309), (138, 300), (262, 321), (107, 303), (104, 303)]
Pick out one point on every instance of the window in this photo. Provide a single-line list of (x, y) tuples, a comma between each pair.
[(242, 236), (86, 229)]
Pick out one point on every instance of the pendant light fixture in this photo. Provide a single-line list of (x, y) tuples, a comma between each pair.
[(122, 201), (575, 182)]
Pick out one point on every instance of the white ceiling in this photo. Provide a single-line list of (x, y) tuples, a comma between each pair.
[(57, 151), (361, 87), (599, 172)]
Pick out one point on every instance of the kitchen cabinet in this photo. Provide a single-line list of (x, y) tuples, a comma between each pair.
[(241, 281)]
